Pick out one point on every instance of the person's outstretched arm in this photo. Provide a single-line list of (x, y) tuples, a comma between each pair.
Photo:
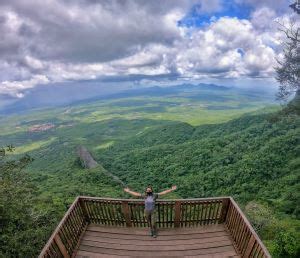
[(127, 190), (174, 187)]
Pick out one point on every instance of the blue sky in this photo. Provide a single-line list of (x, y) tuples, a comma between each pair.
[(136, 41), (194, 18)]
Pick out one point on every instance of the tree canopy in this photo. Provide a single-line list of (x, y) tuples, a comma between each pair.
[(288, 69)]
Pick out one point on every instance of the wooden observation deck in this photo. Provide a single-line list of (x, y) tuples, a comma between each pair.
[(102, 227)]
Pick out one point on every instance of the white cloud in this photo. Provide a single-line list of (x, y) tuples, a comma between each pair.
[(14, 88), (214, 51), (263, 18), (56, 41), (33, 62)]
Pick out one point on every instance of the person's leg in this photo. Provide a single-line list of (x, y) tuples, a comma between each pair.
[(153, 224), (149, 220)]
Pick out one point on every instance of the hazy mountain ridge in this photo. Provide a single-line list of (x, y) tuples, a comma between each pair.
[(59, 96)]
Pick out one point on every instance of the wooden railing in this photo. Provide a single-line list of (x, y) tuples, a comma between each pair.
[(170, 214), (247, 241), (66, 236)]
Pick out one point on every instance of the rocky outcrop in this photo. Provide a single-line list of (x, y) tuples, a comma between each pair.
[(86, 159)]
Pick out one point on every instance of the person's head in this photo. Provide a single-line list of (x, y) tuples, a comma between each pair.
[(149, 190)]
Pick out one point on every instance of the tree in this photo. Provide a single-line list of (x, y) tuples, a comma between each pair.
[(15, 199), (288, 69), (22, 220), (260, 215), (26, 218)]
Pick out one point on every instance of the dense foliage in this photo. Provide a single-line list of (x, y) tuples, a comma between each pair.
[(27, 217), (254, 158), (251, 159), (24, 218)]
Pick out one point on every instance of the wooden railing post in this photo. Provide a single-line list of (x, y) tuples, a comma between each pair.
[(225, 206), (249, 247), (61, 246), (177, 214), (84, 210), (126, 213)]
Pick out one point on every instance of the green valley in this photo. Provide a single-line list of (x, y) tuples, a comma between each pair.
[(209, 141)]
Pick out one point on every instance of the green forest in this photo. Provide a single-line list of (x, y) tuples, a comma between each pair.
[(253, 157)]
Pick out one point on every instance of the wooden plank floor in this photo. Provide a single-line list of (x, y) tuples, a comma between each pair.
[(206, 241)]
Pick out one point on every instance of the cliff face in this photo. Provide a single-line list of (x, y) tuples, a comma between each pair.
[(87, 161)]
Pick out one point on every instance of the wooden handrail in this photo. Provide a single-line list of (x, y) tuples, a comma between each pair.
[(159, 200), (243, 234), (172, 213), (67, 234)]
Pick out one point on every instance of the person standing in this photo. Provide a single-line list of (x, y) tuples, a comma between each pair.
[(149, 212)]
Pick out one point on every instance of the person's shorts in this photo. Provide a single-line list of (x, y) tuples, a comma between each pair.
[(150, 216)]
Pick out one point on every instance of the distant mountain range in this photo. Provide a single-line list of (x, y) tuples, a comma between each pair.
[(67, 94)]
